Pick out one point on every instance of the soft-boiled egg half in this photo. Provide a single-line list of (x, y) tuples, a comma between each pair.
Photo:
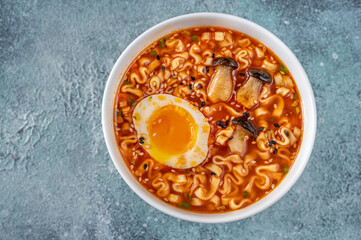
[(171, 130)]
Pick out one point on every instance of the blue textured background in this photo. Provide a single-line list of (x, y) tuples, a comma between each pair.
[(56, 178)]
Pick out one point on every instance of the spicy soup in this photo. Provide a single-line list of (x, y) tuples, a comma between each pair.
[(208, 119)]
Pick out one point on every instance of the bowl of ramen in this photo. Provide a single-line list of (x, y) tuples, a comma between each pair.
[(209, 117)]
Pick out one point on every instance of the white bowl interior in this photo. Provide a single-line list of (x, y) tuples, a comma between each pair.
[(241, 25)]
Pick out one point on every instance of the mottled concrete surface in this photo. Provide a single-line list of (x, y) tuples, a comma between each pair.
[(56, 178)]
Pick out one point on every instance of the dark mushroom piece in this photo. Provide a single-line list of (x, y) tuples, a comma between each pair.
[(243, 128), (221, 86), (248, 94)]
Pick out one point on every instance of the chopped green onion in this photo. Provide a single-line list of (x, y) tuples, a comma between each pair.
[(187, 32), (131, 101), (282, 68), (189, 198), (135, 117), (167, 38), (295, 96), (119, 112), (153, 53), (161, 43), (297, 109), (150, 97), (245, 194), (195, 38), (126, 82), (294, 104), (285, 169), (184, 205)]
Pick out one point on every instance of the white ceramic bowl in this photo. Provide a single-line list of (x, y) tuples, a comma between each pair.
[(241, 25)]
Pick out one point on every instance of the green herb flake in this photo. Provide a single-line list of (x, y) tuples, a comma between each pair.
[(295, 96), (245, 194), (241, 138), (126, 82), (285, 169), (131, 101), (184, 205), (189, 198), (282, 68), (271, 119), (135, 117), (119, 112), (167, 38), (163, 68), (269, 130), (150, 97), (169, 89), (186, 32), (153, 53), (195, 38), (294, 104), (297, 110), (161, 43)]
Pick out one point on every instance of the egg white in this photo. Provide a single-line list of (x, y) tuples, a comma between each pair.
[(192, 157)]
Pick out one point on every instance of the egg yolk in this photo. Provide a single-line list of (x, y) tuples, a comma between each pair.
[(172, 131)]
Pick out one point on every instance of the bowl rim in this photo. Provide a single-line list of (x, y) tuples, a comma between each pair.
[(276, 194)]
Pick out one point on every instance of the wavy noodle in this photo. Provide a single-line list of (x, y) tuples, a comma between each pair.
[(149, 169), (215, 107), (242, 58), (283, 153), (228, 40), (285, 140), (177, 44), (198, 179), (214, 168), (263, 180), (193, 52), (125, 140), (207, 57), (223, 135), (163, 188), (201, 69), (181, 91), (154, 84), (206, 193), (245, 42), (130, 88), (227, 161), (181, 187), (274, 99), (269, 65), (243, 202)]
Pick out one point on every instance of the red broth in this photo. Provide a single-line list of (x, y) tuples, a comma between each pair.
[(225, 180)]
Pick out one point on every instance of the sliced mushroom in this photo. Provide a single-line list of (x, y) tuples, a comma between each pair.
[(221, 86), (248, 94), (244, 130)]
